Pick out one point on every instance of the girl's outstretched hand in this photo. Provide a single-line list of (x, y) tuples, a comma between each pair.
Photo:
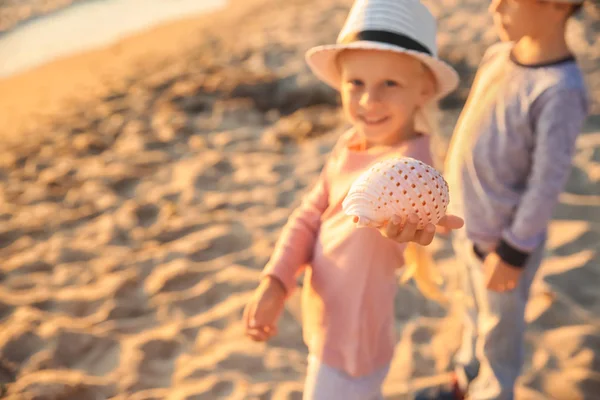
[(424, 237), (263, 310)]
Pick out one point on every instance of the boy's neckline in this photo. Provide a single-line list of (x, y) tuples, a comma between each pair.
[(561, 60)]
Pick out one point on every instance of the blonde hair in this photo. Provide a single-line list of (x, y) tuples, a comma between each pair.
[(420, 264), (427, 119)]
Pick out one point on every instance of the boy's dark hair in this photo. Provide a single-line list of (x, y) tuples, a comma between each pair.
[(575, 9)]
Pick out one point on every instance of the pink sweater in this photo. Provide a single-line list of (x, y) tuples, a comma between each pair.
[(350, 281)]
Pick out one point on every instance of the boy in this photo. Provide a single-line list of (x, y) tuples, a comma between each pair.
[(508, 161)]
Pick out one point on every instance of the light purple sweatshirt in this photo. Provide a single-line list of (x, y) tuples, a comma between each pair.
[(512, 149)]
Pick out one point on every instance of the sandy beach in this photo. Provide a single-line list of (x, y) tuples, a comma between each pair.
[(143, 186)]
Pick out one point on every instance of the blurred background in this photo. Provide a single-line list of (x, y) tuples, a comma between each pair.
[(151, 151)]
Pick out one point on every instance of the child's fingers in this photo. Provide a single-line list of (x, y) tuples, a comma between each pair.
[(425, 236), (392, 229), (496, 286), (270, 330), (496, 283), (264, 314), (442, 230), (258, 335), (397, 220), (451, 222), (262, 333), (246, 316), (250, 319), (407, 234), (363, 222), (252, 329)]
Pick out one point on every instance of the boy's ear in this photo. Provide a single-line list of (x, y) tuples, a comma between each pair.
[(428, 88)]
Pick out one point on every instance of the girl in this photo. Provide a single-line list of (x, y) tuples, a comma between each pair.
[(385, 66)]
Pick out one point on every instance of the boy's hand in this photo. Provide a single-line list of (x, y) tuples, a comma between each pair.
[(500, 276), (424, 237), (263, 310)]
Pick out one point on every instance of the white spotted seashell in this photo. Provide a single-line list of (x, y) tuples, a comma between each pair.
[(393, 189)]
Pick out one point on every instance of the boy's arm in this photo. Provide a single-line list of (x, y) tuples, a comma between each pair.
[(558, 117), (295, 245), (488, 56)]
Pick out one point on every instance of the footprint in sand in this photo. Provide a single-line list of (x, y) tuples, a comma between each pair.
[(92, 354), (8, 374), (125, 186), (171, 234), (211, 388), (223, 240), (181, 282), (248, 364), (175, 276), (286, 198), (586, 297), (285, 391), (146, 214), (61, 384), (581, 183), (26, 267), (19, 343), (71, 254), (573, 346), (284, 170), (9, 236), (205, 297), (153, 363), (77, 308), (150, 394), (5, 310), (204, 182), (161, 349), (24, 283), (216, 172), (129, 301)]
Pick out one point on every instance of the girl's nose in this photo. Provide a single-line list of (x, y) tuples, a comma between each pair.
[(369, 98)]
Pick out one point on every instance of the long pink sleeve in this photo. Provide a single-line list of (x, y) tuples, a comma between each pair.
[(295, 246)]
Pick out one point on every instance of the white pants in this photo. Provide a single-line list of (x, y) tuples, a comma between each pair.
[(327, 383), (493, 345)]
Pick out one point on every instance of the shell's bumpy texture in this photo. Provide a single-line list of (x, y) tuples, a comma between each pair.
[(393, 189)]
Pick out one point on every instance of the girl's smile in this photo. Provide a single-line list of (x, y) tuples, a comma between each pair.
[(372, 121), (381, 93)]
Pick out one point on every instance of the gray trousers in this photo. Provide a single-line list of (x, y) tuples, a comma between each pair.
[(492, 352), (326, 383)]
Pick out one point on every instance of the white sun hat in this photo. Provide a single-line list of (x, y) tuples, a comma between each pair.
[(402, 26)]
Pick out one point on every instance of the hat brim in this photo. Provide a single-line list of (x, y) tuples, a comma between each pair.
[(322, 61)]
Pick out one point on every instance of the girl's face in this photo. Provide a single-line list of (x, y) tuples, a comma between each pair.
[(381, 91)]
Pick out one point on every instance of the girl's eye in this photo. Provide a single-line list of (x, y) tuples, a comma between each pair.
[(390, 83), (356, 82)]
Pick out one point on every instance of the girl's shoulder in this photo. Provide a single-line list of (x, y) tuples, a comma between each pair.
[(346, 138), (418, 148), (343, 142)]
